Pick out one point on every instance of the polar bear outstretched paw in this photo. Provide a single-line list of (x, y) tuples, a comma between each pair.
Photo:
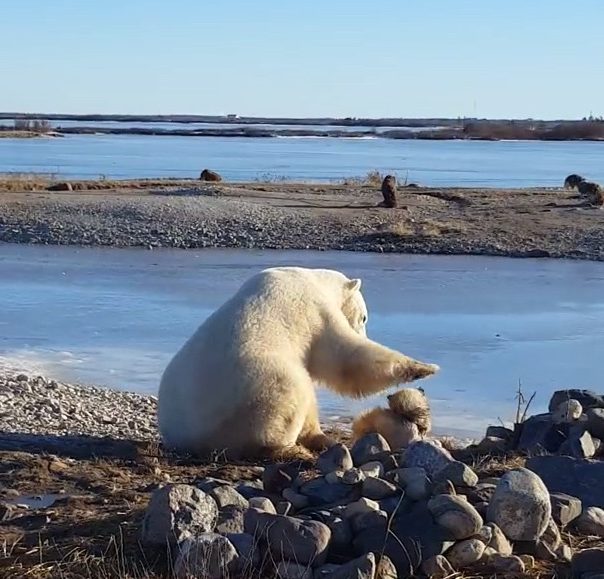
[(410, 370)]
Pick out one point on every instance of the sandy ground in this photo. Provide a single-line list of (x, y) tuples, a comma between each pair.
[(516, 222)]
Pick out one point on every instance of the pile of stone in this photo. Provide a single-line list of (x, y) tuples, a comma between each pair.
[(41, 406), (574, 426), (369, 513)]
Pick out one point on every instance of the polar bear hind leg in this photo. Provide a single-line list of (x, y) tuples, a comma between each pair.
[(312, 437)]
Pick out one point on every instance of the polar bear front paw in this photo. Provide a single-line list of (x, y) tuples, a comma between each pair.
[(410, 370)]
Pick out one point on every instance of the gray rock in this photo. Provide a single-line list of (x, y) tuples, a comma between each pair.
[(209, 483), (460, 474), (385, 569), (499, 432), (456, 515), (427, 455), (336, 458), (289, 570), (565, 508), (297, 500), (373, 469), (396, 504), (465, 553), (341, 532), (378, 489), (320, 492), (230, 520), (483, 492), (568, 412), (414, 480), (572, 476), (325, 571), (507, 564), (437, 567), (359, 507), (289, 539), (551, 537), (249, 490), (595, 422), (539, 434), (587, 561), (177, 512), (591, 522), (283, 508), (520, 506), (364, 567), (485, 534), (248, 556), (413, 538), (579, 444), (263, 504), (207, 556), (226, 496), (353, 476), (499, 541), (492, 445), (587, 398), (390, 461), (443, 487), (377, 520), (366, 448), (277, 477)]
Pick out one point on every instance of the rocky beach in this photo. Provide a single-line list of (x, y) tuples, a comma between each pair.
[(86, 490), (188, 214)]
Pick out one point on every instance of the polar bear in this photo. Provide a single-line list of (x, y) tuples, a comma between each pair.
[(244, 383)]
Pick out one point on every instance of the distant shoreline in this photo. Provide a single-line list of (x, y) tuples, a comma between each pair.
[(265, 127)]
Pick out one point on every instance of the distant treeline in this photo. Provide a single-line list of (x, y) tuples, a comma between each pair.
[(438, 129)]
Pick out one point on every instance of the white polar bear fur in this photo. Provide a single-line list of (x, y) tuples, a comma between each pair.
[(244, 382)]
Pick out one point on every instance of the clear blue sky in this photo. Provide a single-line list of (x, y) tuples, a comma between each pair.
[(490, 58)]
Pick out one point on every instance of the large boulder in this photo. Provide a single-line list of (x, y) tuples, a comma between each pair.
[(177, 512), (520, 505), (576, 477)]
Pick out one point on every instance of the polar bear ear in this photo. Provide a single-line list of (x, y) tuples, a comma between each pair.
[(353, 285)]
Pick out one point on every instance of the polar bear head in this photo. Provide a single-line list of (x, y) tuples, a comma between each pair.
[(354, 307)]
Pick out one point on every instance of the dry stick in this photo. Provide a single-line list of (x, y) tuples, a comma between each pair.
[(527, 406)]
